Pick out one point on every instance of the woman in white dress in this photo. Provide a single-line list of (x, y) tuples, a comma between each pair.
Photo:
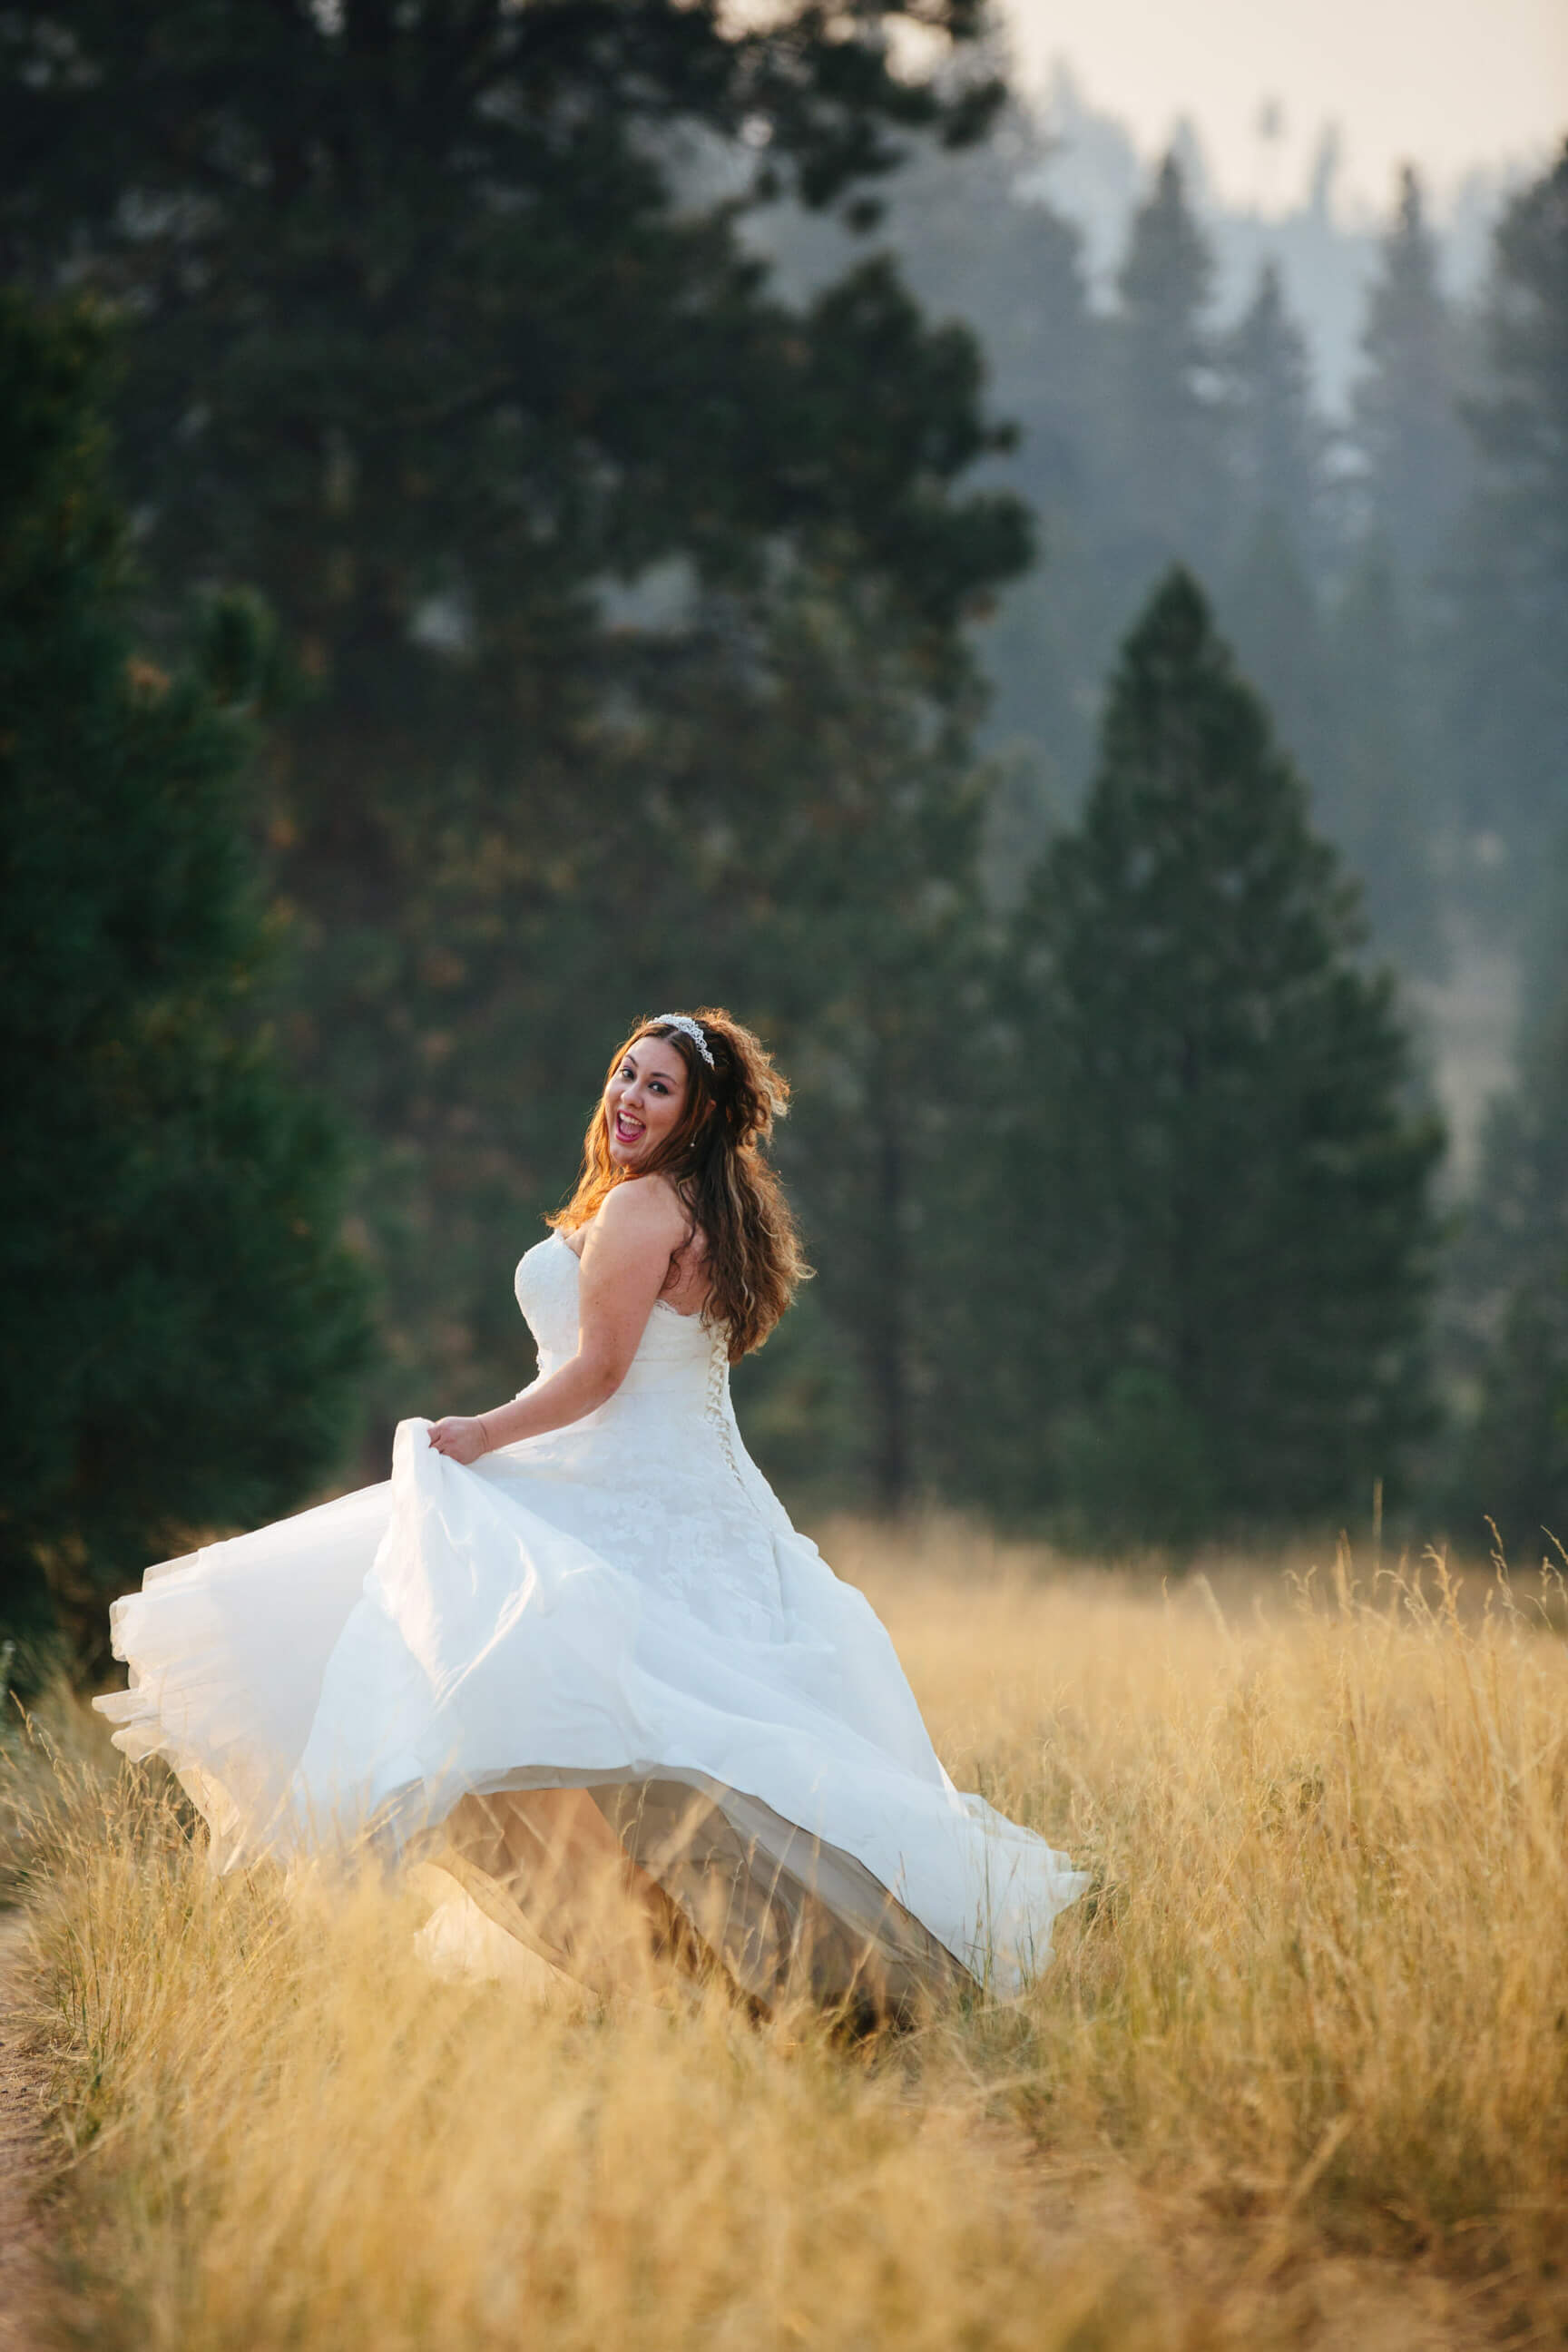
[(575, 1639)]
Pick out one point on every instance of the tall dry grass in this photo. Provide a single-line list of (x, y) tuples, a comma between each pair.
[(1299, 2073)]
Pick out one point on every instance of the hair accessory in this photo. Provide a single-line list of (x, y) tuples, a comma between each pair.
[(689, 1028)]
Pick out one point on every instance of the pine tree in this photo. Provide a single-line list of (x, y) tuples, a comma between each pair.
[(1405, 415), (975, 245), (1377, 801), (1341, 686), (1221, 1229), (1276, 629), (1172, 499), (1515, 1470), (1344, 684), (435, 338), (1505, 666), (858, 938), (1275, 448), (1276, 442), (1512, 1278), (183, 1328)]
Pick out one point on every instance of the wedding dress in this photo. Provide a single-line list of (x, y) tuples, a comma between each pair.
[(620, 1606)]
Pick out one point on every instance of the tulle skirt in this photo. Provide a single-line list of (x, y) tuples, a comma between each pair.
[(401, 1669)]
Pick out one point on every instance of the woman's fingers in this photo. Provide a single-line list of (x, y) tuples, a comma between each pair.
[(455, 1437)]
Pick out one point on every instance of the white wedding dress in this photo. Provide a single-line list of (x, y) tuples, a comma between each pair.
[(621, 1606)]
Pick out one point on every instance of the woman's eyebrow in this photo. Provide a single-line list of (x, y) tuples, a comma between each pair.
[(630, 1061)]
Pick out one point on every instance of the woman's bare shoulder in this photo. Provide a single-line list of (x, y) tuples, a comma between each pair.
[(644, 1205)]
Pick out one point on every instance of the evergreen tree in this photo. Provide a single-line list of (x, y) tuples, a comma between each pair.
[(1276, 442), (871, 955), (1340, 689), (1274, 446), (1512, 1279), (183, 1330), (1277, 630), (845, 917), (1405, 415), (1341, 686), (436, 339), (1169, 433), (978, 240), (1374, 803), (976, 246), (1221, 1230), (1505, 669), (1515, 1473)]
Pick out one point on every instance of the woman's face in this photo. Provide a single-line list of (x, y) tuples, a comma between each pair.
[(644, 1100)]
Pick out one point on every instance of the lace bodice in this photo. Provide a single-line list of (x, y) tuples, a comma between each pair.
[(657, 1477), (679, 1362)]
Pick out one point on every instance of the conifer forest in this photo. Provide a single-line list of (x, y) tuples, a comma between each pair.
[(515, 517)]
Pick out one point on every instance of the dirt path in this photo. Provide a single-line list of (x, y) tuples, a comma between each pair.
[(21, 2138)]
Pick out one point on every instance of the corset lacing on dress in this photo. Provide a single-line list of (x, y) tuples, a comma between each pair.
[(716, 1409)]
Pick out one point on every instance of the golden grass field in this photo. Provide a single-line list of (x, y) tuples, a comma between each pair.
[(1297, 2076)]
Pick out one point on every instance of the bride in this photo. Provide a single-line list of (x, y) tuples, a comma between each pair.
[(573, 1650)]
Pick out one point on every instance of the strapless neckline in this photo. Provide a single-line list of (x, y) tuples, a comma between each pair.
[(694, 1317)]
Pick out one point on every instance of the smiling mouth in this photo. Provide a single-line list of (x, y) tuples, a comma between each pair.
[(628, 1130)]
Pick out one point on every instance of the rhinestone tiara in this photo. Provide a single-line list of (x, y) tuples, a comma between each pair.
[(689, 1028)]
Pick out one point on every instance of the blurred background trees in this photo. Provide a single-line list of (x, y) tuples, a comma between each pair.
[(1216, 1264), (427, 340), (645, 431), (1505, 578), (1403, 407), (185, 1332), (1511, 1287)]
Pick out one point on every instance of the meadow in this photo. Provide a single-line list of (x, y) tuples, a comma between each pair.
[(1297, 2076)]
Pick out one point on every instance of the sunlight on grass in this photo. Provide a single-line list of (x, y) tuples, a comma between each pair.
[(1299, 2072)]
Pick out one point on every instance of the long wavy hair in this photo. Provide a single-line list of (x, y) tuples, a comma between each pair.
[(716, 1159)]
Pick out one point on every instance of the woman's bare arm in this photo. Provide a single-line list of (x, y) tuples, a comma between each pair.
[(625, 1265)]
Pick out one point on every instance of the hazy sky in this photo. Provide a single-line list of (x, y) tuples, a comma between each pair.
[(1447, 83)]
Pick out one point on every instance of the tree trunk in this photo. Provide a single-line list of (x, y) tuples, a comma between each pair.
[(886, 1340)]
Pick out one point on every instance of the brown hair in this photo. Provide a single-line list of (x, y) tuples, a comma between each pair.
[(716, 1162)]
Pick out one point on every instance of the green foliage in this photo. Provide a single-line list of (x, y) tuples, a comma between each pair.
[(1505, 698), (1405, 421), (1515, 1464), (1278, 636), (1378, 797), (1134, 1472), (977, 241), (1218, 1217), (634, 582), (438, 334), (1169, 450), (1339, 677), (1151, 433), (1276, 442), (1503, 708), (182, 1327), (1320, 624), (868, 946), (1513, 1289)]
